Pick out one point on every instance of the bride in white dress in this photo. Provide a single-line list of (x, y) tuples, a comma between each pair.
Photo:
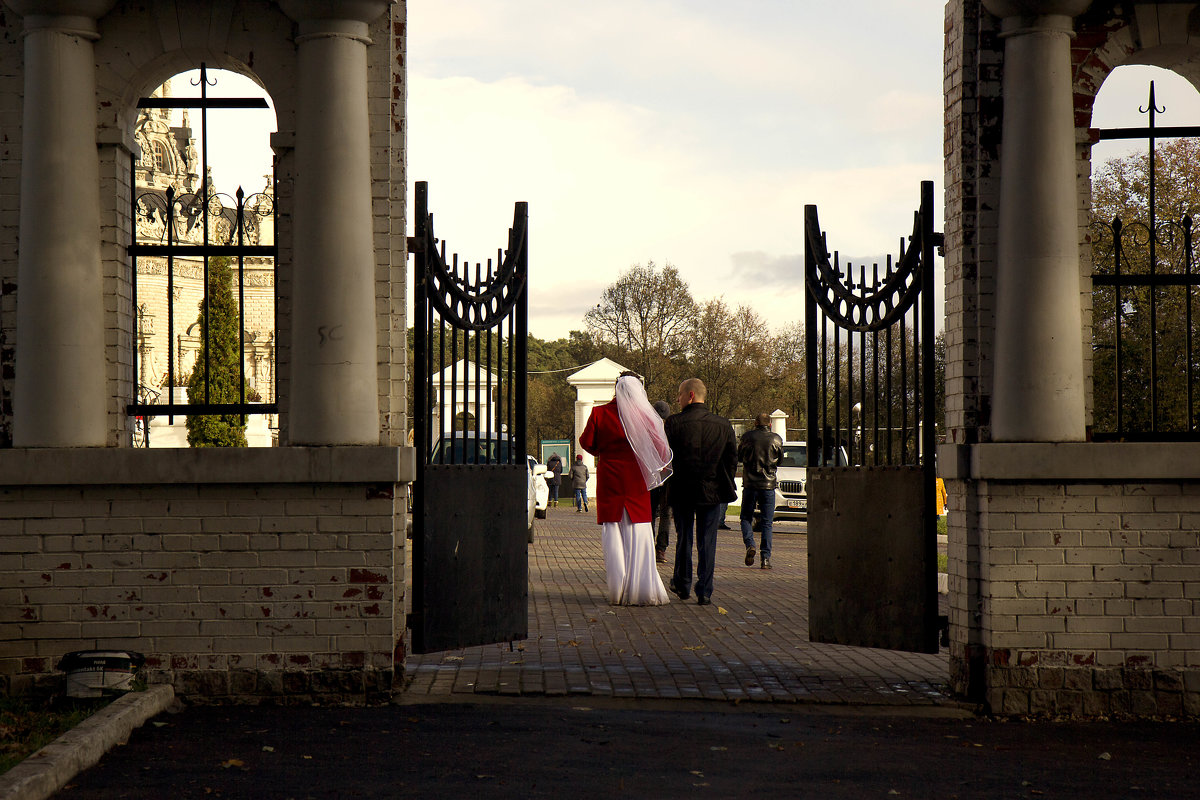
[(626, 436)]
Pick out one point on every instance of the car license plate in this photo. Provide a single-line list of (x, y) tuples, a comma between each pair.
[(795, 504)]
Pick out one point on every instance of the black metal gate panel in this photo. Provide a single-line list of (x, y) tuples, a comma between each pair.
[(872, 523), (471, 526)]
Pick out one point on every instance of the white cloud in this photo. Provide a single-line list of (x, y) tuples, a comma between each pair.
[(682, 132)]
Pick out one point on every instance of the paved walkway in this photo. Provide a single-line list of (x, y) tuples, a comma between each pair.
[(750, 644)]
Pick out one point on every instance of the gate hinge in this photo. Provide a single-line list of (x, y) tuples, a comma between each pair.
[(416, 245)]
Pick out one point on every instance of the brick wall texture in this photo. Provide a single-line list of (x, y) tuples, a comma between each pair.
[(1083, 596), (1070, 597), (282, 591)]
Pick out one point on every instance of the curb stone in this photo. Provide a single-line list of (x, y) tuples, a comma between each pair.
[(48, 770)]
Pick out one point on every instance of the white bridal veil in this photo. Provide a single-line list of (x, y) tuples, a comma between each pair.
[(644, 430)]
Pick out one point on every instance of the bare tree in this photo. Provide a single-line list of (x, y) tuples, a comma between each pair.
[(644, 318)]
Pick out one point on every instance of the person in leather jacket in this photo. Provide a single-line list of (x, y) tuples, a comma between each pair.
[(760, 452), (705, 450)]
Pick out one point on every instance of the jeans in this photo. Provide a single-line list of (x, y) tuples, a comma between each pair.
[(660, 518), (553, 492), (704, 520), (765, 500), (581, 498)]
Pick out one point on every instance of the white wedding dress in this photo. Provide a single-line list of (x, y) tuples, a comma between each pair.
[(629, 563)]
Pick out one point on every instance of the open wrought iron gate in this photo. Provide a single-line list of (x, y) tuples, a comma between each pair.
[(872, 524), (470, 515)]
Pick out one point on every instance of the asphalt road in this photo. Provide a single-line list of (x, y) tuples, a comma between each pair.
[(582, 748)]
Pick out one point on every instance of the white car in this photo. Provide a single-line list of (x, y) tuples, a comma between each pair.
[(541, 490), (791, 495)]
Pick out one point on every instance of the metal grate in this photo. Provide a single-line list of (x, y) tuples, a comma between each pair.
[(179, 213)]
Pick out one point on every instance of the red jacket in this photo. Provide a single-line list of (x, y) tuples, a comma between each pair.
[(619, 482)]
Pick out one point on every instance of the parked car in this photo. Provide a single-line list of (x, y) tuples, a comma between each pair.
[(791, 495), (472, 447), (541, 495)]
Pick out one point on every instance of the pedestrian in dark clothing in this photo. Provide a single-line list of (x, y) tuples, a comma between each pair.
[(705, 459), (579, 479), (760, 452), (660, 508), (554, 468)]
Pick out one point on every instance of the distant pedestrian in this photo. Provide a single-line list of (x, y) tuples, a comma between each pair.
[(705, 459), (626, 435), (555, 468), (660, 506), (579, 479), (760, 452)]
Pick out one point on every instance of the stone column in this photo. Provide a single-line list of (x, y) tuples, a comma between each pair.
[(59, 392), (1038, 388), (334, 396)]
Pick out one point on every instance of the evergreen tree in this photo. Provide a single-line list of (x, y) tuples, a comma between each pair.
[(223, 367)]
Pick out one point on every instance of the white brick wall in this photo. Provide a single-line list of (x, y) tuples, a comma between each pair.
[(245, 582)]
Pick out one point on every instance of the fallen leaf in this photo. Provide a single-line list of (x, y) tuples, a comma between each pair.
[(268, 749), (452, 658), (233, 762), (698, 773), (573, 643), (516, 662), (1105, 756), (721, 610), (158, 724), (308, 758), (697, 647)]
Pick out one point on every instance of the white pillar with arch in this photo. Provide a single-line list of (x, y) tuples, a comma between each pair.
[(594, 385), (59, 392), (335, 391), (1039, 383)]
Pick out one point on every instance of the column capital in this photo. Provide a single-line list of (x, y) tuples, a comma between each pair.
[(349, 18), (70, 16), (1036, 8)]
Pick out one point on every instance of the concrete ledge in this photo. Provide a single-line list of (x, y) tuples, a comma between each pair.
[(49, 769), (1071, 461), (91, 466)]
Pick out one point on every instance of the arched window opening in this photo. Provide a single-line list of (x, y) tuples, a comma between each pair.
[(204, 264), (1145, 200)]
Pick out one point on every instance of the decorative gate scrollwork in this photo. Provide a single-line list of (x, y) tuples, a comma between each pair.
[(872, 525), (471, 523)]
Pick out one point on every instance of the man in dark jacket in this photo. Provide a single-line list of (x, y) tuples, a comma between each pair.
[(705, 459), (760, 452)]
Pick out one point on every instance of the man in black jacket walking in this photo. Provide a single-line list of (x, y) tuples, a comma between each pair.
[(760, 452), (705, 459)]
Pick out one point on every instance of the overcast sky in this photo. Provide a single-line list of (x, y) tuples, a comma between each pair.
[(689, 132)]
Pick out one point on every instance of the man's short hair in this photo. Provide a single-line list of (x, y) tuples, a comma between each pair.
[(696, 387), (762, 420)]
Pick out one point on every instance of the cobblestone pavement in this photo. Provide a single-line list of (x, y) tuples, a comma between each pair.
[(751, 644)]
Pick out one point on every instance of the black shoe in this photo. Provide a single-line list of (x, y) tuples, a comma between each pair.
[(724, 527), (701, 600), (766, 563), (750, 552), (682, 594)]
